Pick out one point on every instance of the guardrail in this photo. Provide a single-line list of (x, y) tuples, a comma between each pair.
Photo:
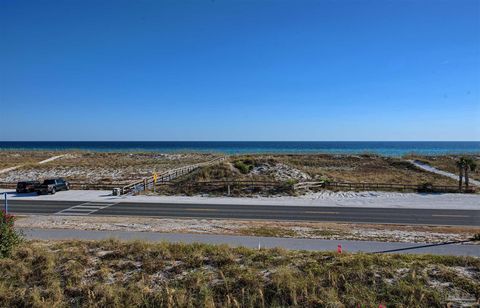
[(149, 182)]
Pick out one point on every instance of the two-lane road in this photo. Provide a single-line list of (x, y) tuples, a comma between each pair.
[(265, 212)]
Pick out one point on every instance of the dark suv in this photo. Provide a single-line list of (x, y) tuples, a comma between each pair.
[(27, 186), (51, 186)]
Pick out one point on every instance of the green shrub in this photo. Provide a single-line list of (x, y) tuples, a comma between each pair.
[(243, 166), (9, 237)]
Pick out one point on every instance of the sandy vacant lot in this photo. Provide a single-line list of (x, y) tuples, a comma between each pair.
[(315, 230)]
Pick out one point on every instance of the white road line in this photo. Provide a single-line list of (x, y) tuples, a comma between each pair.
[(96, 207), (79, 210), (86, 208), (317, 212), (444, 215), (72, 214), (97, 204)]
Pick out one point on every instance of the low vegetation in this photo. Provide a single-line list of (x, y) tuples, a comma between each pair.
[(290, 169), (9, 236), (366, 168), (238, 175), (126, 274), (14, 158)]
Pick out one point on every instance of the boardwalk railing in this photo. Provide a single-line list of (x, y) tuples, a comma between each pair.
[(167, 176)]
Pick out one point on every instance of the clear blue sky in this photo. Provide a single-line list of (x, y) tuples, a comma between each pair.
[(239, 70)]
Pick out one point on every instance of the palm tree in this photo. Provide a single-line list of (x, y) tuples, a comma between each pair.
[(461, 167), (469, 165)]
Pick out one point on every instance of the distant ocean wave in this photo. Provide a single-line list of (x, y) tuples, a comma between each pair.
[(389, 148)]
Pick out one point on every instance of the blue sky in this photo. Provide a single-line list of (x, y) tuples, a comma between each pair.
[(239, 70)]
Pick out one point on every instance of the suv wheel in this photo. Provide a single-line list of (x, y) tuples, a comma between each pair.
[(67, 187), (54, 191)]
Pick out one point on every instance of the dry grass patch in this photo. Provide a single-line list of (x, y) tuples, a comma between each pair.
[(14, 158), (125, 274)]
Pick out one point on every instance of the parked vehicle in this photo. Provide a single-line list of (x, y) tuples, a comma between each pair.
[(27, 186), (51, 186)]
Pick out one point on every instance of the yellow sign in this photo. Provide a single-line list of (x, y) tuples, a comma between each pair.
[(155, 177)]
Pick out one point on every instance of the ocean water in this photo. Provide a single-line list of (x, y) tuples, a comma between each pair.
[(388, 148)]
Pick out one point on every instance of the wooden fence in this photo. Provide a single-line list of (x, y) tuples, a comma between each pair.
[(380, 186), (245, 183), (228, 186)]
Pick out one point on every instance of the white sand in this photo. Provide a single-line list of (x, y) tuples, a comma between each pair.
[(369, 199)]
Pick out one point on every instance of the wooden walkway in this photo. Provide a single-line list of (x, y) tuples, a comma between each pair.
[(165, 177)]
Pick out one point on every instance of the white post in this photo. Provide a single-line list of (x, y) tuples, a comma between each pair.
[(6, 203)]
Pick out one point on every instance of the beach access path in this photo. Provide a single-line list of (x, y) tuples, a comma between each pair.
[(40, 163), (429, 168)]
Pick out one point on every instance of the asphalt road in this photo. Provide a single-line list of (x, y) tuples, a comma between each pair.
[(267, 212)]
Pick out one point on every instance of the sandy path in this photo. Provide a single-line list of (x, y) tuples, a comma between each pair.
[(40, 162), (9, 169), (429, 168), (50, 159)]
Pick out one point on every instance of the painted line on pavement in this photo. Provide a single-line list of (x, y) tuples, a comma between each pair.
[(200, 209), (440, 215), (86, 208)]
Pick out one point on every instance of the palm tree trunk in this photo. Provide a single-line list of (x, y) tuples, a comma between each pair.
[(466, 176), (460, 178)]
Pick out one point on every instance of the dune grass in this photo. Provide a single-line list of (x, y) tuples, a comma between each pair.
[(126, 274), (14, 158), (365, 168)]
